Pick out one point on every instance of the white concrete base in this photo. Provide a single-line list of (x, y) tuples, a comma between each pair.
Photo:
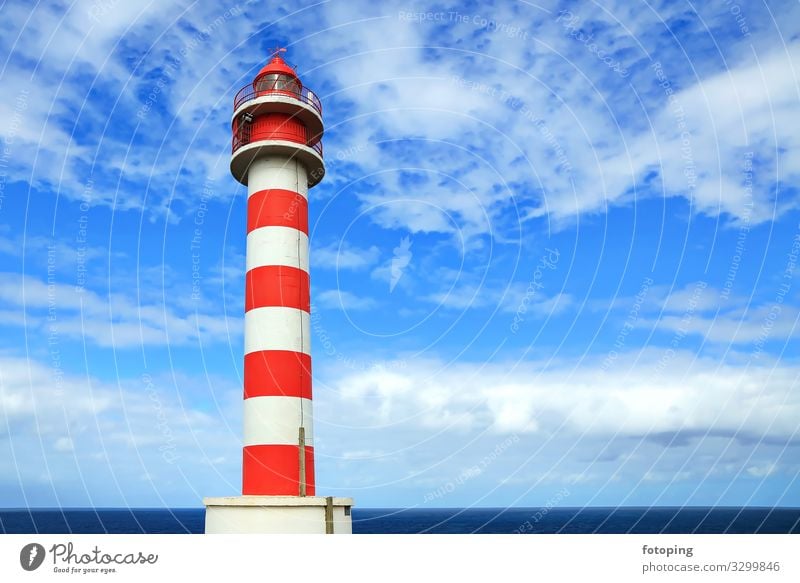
[(278, 515)]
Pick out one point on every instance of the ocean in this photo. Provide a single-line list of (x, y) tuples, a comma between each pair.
[(700, 520)]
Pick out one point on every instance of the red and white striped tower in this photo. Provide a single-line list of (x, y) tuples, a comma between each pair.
[(277, 153)]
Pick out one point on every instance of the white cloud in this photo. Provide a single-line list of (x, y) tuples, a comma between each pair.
[(512, 298), (629, 432), (699, 309), (693, 397), (116, 320), (749, 108), (475, 164), (64, 444), (762, 471), (467, 159), (343, 300), (84, 439), (467, 296), (344, 256), (742, 325), (693, 297), (77, 54)]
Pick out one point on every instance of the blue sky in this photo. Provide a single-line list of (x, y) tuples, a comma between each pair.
[(554, 251)]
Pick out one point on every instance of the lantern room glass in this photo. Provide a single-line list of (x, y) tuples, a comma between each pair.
[(278, 82)]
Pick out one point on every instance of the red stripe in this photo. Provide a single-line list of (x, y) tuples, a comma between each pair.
[(277, 285), (277, 373), (277, 208), (274, 470)]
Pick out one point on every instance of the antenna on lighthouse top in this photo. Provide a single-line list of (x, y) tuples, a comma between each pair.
[(276, 52), (276, 74)]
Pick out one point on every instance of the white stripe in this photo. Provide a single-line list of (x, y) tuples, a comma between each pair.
[(277, 328), (277, 420), (277, 246), (277, 172)]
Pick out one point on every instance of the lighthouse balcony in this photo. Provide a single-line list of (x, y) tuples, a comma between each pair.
[(246, 151), (298, 102), (302, 94), (281, 127)]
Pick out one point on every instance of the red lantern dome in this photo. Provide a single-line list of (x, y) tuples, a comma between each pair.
[(277, 75)]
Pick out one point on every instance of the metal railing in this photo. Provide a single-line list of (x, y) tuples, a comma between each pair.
[(243, 137), (248, 93)]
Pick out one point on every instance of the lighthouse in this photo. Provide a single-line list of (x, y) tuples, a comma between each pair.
[(277, 153)]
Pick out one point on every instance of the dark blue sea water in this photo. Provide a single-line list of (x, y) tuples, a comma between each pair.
[(443, 521)]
